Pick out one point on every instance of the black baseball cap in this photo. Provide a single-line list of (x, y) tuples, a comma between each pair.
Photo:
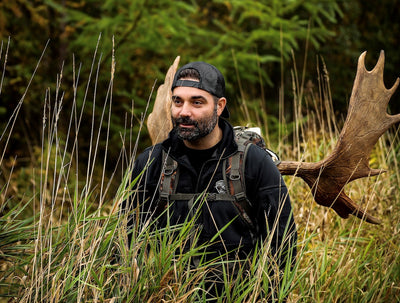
[(211, 80)]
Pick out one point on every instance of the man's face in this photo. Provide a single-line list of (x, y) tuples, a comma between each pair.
[(194, 113)]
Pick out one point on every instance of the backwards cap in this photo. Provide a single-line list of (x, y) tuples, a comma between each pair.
[(211, 80)]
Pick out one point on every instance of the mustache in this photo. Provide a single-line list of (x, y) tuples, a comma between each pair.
[(185, 120)]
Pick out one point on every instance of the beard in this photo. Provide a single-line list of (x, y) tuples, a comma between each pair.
[(200, 129)]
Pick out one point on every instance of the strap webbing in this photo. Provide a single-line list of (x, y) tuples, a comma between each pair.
[(209, 197), (237, 182), (169, 176)]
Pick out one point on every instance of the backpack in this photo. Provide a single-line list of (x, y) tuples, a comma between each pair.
[(233, 175)]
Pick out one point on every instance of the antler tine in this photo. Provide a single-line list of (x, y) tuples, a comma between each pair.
[(378, 70), (394, 87), (361, 61), (380, 64)]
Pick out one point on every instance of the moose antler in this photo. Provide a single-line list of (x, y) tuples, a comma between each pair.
[(366, 121)]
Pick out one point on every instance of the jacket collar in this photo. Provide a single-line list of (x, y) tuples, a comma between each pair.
[(227, 147)]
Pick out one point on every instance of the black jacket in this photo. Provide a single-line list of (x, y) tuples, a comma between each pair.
[(265, 189)]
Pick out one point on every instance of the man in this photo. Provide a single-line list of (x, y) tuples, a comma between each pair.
[(193, 161)]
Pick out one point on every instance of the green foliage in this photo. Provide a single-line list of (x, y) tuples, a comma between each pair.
[(262, 32), (145, 37), (257, 33)]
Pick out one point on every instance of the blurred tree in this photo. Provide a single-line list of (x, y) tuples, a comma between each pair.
[(246, 39), (27, 24), (366, 26)]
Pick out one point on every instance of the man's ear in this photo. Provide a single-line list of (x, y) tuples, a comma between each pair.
[(221, 105)]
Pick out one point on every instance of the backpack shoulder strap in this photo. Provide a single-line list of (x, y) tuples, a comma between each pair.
[(235, 177), (168, 181)]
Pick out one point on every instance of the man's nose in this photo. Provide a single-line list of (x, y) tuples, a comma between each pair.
[(186, 110)]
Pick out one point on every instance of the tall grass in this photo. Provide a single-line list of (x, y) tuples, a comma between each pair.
[(72, 246)]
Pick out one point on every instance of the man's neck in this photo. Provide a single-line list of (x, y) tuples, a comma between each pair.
[(206, 142)]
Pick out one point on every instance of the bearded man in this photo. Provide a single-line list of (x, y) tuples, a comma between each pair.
[(186, 177)]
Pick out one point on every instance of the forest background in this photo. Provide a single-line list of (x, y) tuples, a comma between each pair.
[(100, 62), (256, 45)]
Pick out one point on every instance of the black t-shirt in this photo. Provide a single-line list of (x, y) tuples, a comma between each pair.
[(198, 156)]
